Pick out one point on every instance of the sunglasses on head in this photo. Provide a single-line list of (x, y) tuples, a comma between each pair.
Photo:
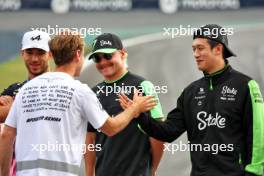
[(98, 57)]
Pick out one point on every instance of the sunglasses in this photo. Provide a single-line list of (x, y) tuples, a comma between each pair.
[(97, 58)]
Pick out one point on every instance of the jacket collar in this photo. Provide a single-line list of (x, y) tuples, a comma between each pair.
[(218, 77)]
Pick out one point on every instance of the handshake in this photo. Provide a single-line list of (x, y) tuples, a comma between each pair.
[(139, 103)]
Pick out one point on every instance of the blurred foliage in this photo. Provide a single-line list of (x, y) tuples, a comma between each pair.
[(12, 71)]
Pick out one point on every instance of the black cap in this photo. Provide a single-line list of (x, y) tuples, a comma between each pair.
[(106, 43), (216, 33)]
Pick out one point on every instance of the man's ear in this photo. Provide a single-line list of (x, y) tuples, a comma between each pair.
[(22, 52), (50, 55), (123, 53), (219, 49), (78, 55)]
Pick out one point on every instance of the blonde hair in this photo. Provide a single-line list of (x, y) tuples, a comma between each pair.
[(64, 46)]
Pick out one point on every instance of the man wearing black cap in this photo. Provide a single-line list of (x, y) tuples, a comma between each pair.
[(131, 152), (223, 113)]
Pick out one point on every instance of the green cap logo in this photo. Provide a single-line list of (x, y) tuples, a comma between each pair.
[(94, 42)]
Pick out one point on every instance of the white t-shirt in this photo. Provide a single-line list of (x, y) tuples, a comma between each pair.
[(50, 114)]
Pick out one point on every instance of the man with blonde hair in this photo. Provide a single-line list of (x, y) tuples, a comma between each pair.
[(50, 114)]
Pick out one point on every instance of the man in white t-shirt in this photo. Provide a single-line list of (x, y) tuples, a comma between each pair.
[(50, 113)]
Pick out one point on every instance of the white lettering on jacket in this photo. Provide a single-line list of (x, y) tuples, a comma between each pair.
[(227, 90), (206, 119)]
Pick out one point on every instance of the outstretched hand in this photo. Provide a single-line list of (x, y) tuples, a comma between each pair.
[(124, 101), (6, 100), (141, 103)]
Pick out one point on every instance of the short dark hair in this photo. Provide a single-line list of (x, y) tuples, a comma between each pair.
[(213, 43)]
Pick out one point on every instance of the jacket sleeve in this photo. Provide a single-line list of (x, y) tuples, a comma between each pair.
[(167, 130), (149, 89), (254, 130), (11, 90)]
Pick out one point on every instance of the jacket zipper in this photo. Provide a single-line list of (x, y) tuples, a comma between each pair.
[(211, 84), (211, 87)]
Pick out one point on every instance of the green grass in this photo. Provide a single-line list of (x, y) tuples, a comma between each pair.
[(12, 71)]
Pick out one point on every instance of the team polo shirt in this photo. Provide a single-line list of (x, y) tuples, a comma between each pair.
[(128, 153), (50, 114)]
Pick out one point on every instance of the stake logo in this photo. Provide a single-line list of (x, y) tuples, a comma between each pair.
[(206, 120)]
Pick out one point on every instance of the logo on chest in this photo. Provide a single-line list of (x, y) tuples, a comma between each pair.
[(200, 96), (228, 94), (206, 120)]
